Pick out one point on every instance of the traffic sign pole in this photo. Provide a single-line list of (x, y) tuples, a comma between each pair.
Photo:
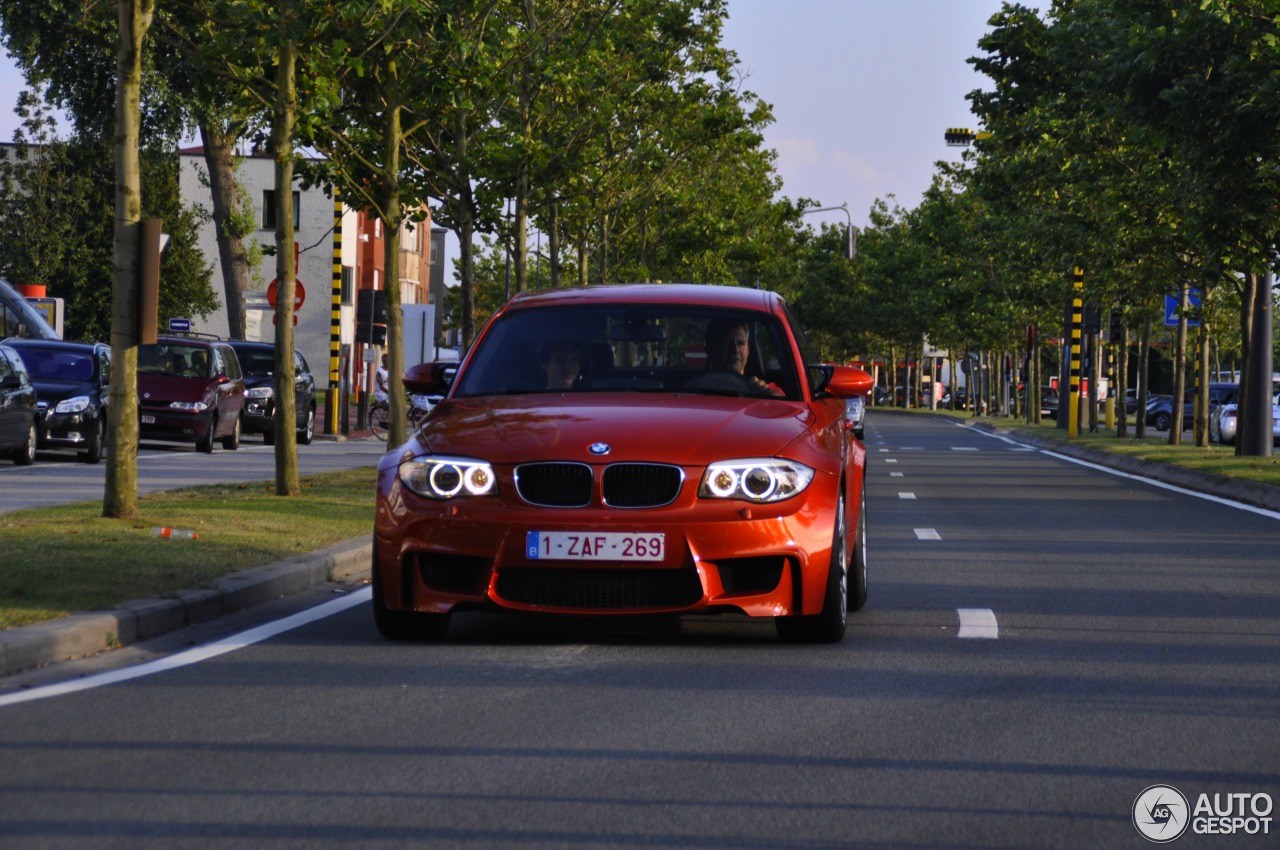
[(1073, 384)]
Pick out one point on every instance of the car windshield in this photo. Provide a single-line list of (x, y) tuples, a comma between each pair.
[(632, 348), (257, 362), (59, 365), (185, 361)]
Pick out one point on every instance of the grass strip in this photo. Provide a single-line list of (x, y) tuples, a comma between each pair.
[(69, 558)]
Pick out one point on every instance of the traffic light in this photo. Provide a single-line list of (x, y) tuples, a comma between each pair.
[(371, 316)]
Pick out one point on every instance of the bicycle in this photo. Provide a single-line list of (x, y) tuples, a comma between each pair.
[(380, 415), (380, 419)]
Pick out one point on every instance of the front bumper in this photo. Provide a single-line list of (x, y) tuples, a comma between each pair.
[(762, 560), (66, 429), (173, 425), (258, 416)]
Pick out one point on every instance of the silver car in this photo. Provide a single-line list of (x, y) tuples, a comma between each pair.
[(1223, 424)]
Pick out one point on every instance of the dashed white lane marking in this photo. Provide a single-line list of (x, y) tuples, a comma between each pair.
[(927, 534), (978, 623), (195, 654), (906, 495), (964, 448), (896, 474), (883, 450), (891, 460)]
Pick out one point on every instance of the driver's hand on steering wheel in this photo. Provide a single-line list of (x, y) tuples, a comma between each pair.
[(765, 387)]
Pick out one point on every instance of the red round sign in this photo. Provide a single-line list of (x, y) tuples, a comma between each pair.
[(299, 293)]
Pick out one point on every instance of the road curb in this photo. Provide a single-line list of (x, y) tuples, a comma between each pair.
[(92, 632)]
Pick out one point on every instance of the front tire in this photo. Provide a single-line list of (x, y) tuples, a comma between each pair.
[(25, 455), (96, 442), (828, 626), (205, 445), (402, 625), (1163, 421)]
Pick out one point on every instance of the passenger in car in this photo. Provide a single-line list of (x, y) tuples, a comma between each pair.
[(561, 364)]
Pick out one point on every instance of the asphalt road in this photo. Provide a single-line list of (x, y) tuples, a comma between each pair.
[(58, 477), (1043, 642)]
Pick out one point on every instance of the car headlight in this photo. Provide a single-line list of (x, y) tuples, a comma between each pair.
[(73, 405), (448, 477), (196, 406), (754, 479), (854, 407), (260, 392)]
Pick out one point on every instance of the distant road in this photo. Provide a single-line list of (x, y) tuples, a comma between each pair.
[(58, 477)]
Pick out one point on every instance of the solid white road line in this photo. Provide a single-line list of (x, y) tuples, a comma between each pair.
[(978, 623), (196, 654)]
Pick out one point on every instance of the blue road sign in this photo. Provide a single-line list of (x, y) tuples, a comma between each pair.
[(1171, 307), (179, 325)]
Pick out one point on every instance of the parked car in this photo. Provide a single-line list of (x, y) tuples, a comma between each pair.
[(258, 363), (71, 381), (649, 484), (1224, 425), (18, 432), (190, 389), (18, 319), (1160, 408)]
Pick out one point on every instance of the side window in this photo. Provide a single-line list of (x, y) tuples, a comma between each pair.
[(104, 366), (230, 364), (300, 363)]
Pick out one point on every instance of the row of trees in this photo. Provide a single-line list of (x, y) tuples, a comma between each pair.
[(1132, 137), (620, 128), (1136, 139)]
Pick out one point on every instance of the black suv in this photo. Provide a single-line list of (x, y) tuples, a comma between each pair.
[(258, 361), (71, 392)]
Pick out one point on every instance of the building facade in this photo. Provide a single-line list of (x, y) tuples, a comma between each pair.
[(339, 250)]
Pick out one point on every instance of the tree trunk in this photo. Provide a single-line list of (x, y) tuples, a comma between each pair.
[(224, 188), (1251, 283), (392, 132), (286, 110), (1179, 370), (120, 492)]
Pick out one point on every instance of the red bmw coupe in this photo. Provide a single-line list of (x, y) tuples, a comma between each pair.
[(615, 450)]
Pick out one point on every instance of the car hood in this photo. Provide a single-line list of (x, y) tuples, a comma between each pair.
[(53, 391), (686, 430), (162, 389)]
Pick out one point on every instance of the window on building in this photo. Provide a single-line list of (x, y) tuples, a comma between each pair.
[(348, 285), (269, 209)]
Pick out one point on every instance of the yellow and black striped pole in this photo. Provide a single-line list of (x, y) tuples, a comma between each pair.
[(1073, 381), (332, 400)]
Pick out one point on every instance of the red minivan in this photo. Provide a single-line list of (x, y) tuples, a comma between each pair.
[(190, 389)]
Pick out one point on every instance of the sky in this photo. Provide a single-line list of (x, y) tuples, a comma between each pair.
[(861, 91)]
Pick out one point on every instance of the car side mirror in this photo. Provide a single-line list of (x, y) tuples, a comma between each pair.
[(222, 379), (430, 377), (845, 382)]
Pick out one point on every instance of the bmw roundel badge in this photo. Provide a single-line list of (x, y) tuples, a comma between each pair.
[(599, 448)]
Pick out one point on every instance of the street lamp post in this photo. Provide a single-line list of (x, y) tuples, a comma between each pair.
[(851, 244)]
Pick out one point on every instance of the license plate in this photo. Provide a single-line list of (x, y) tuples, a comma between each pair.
[(595, 546), (146, 419)]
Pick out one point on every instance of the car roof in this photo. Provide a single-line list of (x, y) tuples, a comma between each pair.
[(245, 343), (691, 294), (54, 345), (191, 341)]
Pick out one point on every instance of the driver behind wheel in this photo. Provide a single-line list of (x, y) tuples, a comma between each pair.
[(728, 345)]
